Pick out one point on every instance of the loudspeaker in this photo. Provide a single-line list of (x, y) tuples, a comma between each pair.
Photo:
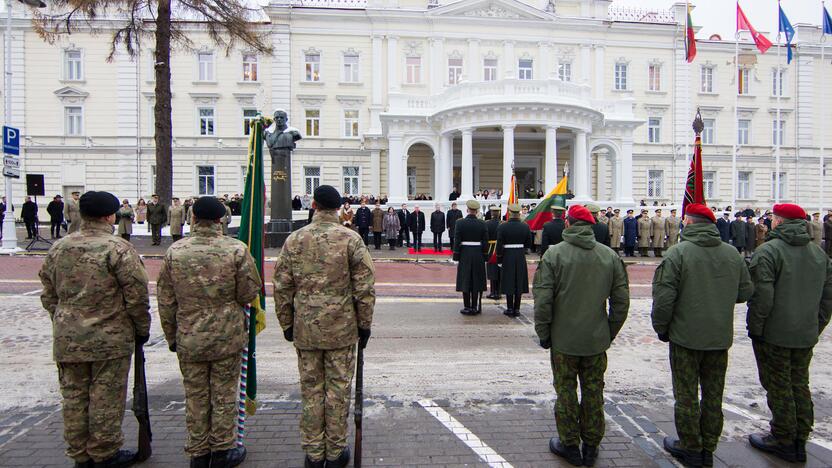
[(34, 185)]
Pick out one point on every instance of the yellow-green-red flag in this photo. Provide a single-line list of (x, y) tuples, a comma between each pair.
[(542, 213)]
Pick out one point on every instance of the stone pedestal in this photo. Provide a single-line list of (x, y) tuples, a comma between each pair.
[(277, 230), (280, 225)]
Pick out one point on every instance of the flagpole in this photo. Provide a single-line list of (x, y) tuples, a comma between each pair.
[(822, 115), (777, 128), (736, 118)]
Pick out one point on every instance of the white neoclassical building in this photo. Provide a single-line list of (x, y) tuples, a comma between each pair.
[(411, 97)]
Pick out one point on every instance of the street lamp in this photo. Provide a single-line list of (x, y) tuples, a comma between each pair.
[(9, 232)]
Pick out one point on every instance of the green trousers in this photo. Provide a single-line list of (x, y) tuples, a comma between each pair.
[(698, 423), (784, 374), (584, 421)]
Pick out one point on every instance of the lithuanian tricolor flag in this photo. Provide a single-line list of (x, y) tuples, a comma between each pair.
[(690, 39), (542, 213)]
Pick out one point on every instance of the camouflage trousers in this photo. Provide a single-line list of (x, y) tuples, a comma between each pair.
[(211, 395), (325, 382), (585, 421), (94, 395), (698, 423), (784, 374)]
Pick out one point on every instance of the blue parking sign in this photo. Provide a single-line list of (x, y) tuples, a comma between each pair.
[(11, 140)]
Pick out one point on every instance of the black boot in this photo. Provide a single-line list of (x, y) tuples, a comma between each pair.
[(307, 463), (494, 295), (228, 458), (84, 464), (122, 459), (342, 460), (509, 305), (800, 450), (203, 461), (687, 457), (590, 454), (768, 443), (570, 453), (707, 458)]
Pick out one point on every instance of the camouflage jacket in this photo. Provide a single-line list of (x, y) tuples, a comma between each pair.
[(95, 290), (324, 284), (205, 282)]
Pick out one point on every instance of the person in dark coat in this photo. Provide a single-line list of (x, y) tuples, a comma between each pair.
[(363, 220), (493, 267), (470, 249), (437, 227), (630, 234), (454, 194), (29, 213), (296, 205), (750, 235), (404, 229), (553, 230), (55, 208), (513, 238), (157, 216), (451, 217), (416, 224), (723, 225), (601, 230), (739, 231), (378, 225)]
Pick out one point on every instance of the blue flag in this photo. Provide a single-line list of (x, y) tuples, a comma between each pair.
[(827, 21), (787, 29)]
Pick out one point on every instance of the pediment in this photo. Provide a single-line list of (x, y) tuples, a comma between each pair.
[(492, 9), (71, 95)]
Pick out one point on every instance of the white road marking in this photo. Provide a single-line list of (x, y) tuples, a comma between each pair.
[(486, 453), (32, 293), (648, 438), (759, 418)]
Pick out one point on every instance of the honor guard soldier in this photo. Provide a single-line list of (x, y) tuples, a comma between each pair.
[(324, 293), (553, 230), (513, 238), (791, 306), (695, 289), (205, 282), (571, 288), (471, 250), (493, 266), (95, 290)]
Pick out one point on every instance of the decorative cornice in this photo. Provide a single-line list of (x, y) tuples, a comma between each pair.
[(492, 11), (245, 99), (70, 95), (205, 98), (349, 100), (311, 100)]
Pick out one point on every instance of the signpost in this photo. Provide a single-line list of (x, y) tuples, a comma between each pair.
[(11, 170)]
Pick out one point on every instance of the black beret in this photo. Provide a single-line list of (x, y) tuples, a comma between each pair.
[(208, 208), (98, 204), (327, 197)]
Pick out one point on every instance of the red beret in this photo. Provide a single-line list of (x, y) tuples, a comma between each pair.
[(698, 209), (789, 211), (580, 213)]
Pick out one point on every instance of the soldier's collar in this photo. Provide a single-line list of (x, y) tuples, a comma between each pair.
[(325, 217), (202, 229), (96, 225)]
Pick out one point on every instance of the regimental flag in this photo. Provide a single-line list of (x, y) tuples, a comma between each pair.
[(512, 193), (694, 190), (763, 44), (827, 21), (786, 28), (690, 39), (542, 213)]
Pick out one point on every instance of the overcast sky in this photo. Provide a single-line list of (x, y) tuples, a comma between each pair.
[(719, 16)]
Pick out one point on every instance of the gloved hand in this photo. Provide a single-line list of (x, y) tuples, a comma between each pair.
[(172, 347), (142, 339), (755, 338), (289, 334), (545, 344), (363, 337), (664, 337)]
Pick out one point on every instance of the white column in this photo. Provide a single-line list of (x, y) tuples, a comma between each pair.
[(509, 65), (436, 65), (626, 172), (447, 166), (473, 67), (508, 157), (396, 171), (378, 77), (437, 175), (580, 170), (393, 64), (467, 189), (550, 161), (375, 172), (544, 69)]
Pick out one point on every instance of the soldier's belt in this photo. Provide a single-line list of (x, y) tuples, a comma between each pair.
[(492, 241), (472, 244), (514, 246)]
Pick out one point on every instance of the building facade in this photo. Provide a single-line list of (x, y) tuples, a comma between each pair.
[(410, 97)]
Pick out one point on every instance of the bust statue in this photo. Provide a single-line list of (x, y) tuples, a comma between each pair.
[(280, 138)]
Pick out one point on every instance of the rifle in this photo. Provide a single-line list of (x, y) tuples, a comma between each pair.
[(359, 405), (140, 409)]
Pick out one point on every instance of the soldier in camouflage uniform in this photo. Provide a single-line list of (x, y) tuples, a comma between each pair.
[(324, 297), (95, 290), (694, 292), (205, 282), (571, 287)]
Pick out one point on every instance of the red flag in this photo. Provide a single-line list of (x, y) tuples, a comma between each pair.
[(763, 44), (690, 40), (694, 190)]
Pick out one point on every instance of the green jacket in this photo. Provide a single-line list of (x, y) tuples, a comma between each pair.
[(571, 287), (695, 289), (792, 298)]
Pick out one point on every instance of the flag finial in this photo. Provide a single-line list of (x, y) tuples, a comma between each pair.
[(698, 123)]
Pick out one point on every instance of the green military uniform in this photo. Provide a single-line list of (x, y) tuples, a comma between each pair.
[(324, 292), (157, 216), (204, 284), (513, 238), (493, 268), (470, 250), (658, 231), (694, 292), (616, 225), (672, 226), (644, 234), (571, 287), (95, 290), (553, 230), (72, 214), (176, 216)]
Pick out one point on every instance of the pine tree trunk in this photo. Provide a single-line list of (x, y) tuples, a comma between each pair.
[(162, 109)]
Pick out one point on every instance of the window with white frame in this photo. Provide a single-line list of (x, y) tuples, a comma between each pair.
[(151, 117), (708, 132), (312, 61), (489, 69), (654, 77), (454, 70), (565, 71), (777, 78), (350, 123), (73, 65), (313, 122), (743, 131), (351, 176), (248, 116), (621, 72), (706, 75), (525, 68), (411, 181), (654, 130), (206, 121), (414, 69), (73, 120), (744, 185), (152, 184), (205, 179), (206, 66), (351, 73), (249, 67), (778, 195), (311, 179), (778, 129), (655, 183), (743, 84), (151, 66), (708, 184)]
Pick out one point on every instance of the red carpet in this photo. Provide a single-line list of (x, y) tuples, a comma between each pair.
[(427, 251)]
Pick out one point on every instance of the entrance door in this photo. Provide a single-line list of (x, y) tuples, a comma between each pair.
[(527, 183)]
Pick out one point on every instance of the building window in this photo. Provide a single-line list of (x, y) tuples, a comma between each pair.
[(152, 184), (206, 121), (489, 70), (311, 178), (565, 71), (744, 185), (74, 121), (655, 181), (743, 131), (313, 66), (249, 67), (205, 180), (708, 183), (778, 195), (73, 65), (654, 77), (742, 81), (708, 131), (313, 122), (414, 70), (621, 70), (525, 68), (350, 123), (777, 78), (351, 176), (707, 80), (206, 66), (351, 68), (248, 116), (778, 129), (411, 182), (654, 130), (454, 70)]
